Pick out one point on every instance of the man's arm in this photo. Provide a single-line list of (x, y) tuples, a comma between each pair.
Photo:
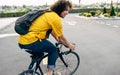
[(56, 38), (63, 40)]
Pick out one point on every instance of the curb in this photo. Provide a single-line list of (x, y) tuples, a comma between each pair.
[(100, 18)]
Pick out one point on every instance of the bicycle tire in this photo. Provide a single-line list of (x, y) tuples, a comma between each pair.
[(29, 72), (72, 59)]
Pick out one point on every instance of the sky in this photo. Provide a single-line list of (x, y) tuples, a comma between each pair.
[(49, 2)]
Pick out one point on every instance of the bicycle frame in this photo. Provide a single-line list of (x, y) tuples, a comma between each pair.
[(35, 68), (35, 62)]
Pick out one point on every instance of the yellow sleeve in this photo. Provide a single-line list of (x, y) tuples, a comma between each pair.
[(57, 27)]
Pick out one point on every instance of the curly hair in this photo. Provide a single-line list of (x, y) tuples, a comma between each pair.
[(60, 6)]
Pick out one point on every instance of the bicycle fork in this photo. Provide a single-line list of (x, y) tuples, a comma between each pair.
[(61, 57)]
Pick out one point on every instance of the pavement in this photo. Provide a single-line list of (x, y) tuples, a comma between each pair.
[(7, 21)]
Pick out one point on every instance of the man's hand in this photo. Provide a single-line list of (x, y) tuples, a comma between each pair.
[(71, 46)]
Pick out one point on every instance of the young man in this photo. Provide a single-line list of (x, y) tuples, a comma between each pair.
[(36, 39)]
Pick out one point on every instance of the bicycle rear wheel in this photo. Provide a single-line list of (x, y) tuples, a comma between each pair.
[(29, 72), (71, 59)]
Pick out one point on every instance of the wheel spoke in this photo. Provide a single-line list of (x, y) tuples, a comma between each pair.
[(72, 60)]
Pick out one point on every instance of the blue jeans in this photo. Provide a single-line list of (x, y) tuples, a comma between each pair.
[(39, 47)]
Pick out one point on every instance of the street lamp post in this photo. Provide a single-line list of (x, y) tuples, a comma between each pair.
[(79, 5), (117, 7)]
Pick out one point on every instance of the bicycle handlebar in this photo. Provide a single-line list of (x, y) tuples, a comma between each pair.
[(58, 43)]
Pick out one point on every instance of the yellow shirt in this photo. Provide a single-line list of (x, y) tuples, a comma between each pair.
[(49, 20)]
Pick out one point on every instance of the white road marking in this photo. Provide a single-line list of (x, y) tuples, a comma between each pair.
[(102, 23), (108, 24), (71, 23), (8, 35), (98, 22), (115, 26)]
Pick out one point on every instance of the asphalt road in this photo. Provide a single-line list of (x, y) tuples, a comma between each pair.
[(97, 43)]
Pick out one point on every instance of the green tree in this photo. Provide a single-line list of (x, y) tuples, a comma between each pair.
[(112, 10), (104, 10)]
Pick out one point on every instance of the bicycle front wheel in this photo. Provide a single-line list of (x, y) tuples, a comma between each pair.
[(29, 72), (71, 64)]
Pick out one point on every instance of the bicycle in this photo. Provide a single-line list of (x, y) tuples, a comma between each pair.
[(66, 64)]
